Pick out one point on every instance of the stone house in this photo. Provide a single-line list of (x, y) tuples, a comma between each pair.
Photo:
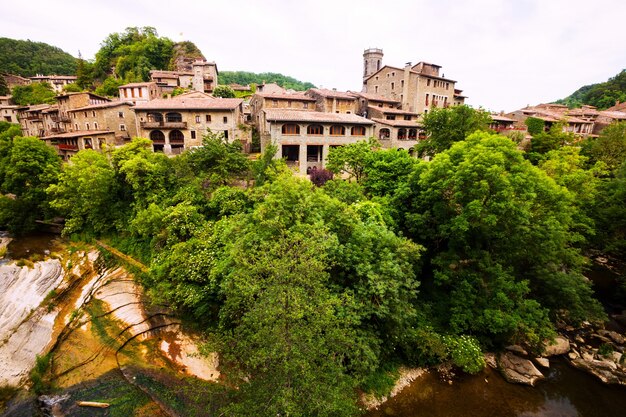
[(13, 80), (581, 123), (56, 81), (31, 119), (333, 101), (140, 92), (417, 87), (8, 111), (178, 123), (203, 78), (114, 116), (395, 128), (373, 100), (305, 137), (281, 100), (68, 144)]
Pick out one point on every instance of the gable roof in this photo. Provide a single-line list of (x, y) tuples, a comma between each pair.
[(280, 115)]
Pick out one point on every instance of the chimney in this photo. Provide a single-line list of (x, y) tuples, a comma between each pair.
[(408, 64)]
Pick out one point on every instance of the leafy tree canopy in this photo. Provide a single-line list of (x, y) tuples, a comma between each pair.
[(35, 93), (444, 127), (28, 58), (224, 91)]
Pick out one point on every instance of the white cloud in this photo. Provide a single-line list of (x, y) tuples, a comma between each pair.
[(504, 54)]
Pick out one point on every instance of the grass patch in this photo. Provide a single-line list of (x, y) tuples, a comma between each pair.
[(381, 382), (38, 375), (102, 327), (3, 251)]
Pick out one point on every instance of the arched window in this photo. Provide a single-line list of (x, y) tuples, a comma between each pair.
[(155, 117), (402, 133), (412, 134), (176, 136), (173, 117), (290, 129), (337, 130), (157, 136), (384, 134), (315, 130), (357, 131)]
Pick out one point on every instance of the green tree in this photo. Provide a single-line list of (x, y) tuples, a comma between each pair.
[(535, 125), (544, 142), (4, 88), (601, 95), (609, 214), (28, 170), (72, 88), (86, 194), (35, 93), (609, 147), (85, 74), (386, 169), (110, 87), (501, 247), (444, 127), (224, 91), (28, 58), (246, 78), (352, 158)]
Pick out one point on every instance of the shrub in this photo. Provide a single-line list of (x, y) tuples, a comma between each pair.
[(320, 176)]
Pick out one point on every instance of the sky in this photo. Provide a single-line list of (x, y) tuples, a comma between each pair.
[(504, 54)]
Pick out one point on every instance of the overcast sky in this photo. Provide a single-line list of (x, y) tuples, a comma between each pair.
[(503, 54)]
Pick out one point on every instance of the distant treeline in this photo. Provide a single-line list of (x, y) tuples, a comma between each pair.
[(601, 95), (28, 58), (244, 78)]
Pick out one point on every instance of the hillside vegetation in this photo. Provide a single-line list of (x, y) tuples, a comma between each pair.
[(244, 78), (28, 58), (601, 95)]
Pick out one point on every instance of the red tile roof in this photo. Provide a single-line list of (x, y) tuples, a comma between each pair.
[(374, 97), (77, 134), (286, 96), (280, 115), (393, 111), (397, 123), (324, 92), (103, 106), (137, 84), (188, 103)]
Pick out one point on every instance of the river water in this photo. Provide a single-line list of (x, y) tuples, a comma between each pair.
[(566, 392)]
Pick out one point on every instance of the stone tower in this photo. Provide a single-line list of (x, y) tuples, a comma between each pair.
[(372, 61)]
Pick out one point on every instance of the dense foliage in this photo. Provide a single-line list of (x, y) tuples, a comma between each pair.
[(308, 289), (35, 93), (245, 78), (28, 58), (601, 95)]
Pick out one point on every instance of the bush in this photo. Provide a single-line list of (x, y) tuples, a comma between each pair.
[(465, 353), (320, 176)]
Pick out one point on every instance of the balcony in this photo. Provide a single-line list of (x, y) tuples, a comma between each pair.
[(61, 119), (57, 130), (163, 125), (67, 147), (35, 118)]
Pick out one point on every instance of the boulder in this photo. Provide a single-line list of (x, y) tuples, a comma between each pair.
[(573, 355), (560, 346), (517, 349), (518, 370), (542, 362), (605, 370), (490, 360), (614, 336)]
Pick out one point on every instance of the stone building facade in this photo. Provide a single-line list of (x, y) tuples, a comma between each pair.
[(304, 138), (56, 81), (395, 128), (280, 100), (8, 111), (203, 78), (178, 123), (140, 92), (333, 101), (115, 116)]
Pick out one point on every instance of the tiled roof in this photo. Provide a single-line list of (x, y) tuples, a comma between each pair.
[(613, 114), (168, 74), (63, 95), (374, 97), (324, 92), (187, 103), (397, 123), (393, 111), (287, 96), (103, 106), (77, 134), (280, 115), (498, 118), (37, 107), (54, 77)]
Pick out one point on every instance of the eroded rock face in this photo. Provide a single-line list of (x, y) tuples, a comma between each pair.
[(606, 370), (560, 346), (518, 370)]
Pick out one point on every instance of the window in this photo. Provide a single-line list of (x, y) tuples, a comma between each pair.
[(383, 134), (393, 74), (122, 127), (140, 92), (428, 82), (402, 133), (120, 114), (288, 103), (357, 131), (412, 134), (85, 113), (427, 99), (376, 89), (407, 117), (402, 83), (193, 133), (177, 136), (275, 103), (306, 105), (393, 85), (197, 119), (95, 125), (208, 118), (93, 113), (173, 117), (226, 134), (155, 117), (390, 117), (132, 92), (76, 126), (290, 129), (315, 130), (225, 119), (336, 130), (157, 136), (86, 126), (126, 93)]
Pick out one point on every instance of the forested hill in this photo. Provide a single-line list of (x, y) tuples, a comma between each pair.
[(601, 95), (244, 78), (28, 58)]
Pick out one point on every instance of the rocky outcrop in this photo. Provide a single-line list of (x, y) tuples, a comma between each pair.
[(606, 369), (518, 370), (560, 346)]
